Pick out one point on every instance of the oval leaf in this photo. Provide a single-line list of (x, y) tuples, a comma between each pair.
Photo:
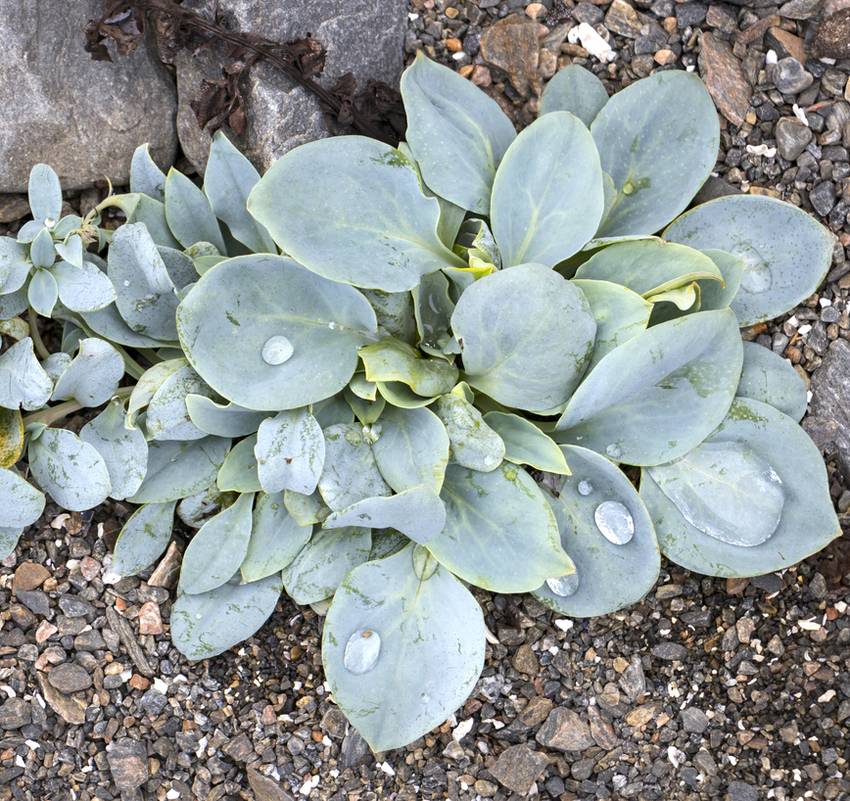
[(427, 640), (92, 377), (457, 133), (71, 471), (206, 625), (769, 378), (794, 467), (577, 90), (243, 307), (218, 549), (526, 336), (276, 538), (533, 213), (23, 382), (351, 209), (22, 502), (660, 394), (608, 576), (525, 443), (491, 517), (665, 157), (290, 452), (144, 538), (786, 252)]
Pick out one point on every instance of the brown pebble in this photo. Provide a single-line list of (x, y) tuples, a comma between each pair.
[(138, 682), (150, 621), (535, 10), (454, 45), (44, 631), (29, 576), (466, 70), (665, 57), (451, 12), (481, 76)]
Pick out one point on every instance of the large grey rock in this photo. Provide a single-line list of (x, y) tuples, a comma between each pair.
[(364, 37), (58, 105), (828, 421)]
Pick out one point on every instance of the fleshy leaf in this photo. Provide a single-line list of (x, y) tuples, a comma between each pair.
[(525, 443), (533, 214), (620, 314), (148, 298), (256, 327), (205, 625), (473, 443), (417, 513), (649, 266), (23, 382), (526, 336), (393, 360), (22, 502), (457, 133), (657, 156), (92, 377), (608, 575), (658, 395), (769, 378), (716, 295), (71, 471), (124, 450), (84, 288), (402, 648), (188, 212), (144, 538), (239, 471), (14, 266), (218, 549), (362, 219), (168, 413), (145, 175), (351, 473), (394, 312), (276, 538), (413, 449), (178, 469), (323, 563), (290, 452), (45, 195), (222, 420), (793, 467), (11, 437), (490, 518), (43, 292), (228, 180), (577, 90), (786, 252)]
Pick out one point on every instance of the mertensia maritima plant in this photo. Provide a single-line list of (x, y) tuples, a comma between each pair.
[(376, 376)]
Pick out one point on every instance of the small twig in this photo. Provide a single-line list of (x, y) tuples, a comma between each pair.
[(35, 335)]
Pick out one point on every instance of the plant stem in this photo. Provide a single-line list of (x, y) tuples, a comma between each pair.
[(132, 367), (35, 334), (56, 413)]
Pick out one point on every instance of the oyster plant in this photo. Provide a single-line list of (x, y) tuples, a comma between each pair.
[(376, 377)]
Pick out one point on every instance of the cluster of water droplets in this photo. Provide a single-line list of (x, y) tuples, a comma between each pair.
[(277, 350), (362, 651)]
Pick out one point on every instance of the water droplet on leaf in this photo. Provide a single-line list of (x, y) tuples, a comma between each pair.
[(615, 522), (277, 350), (584, 487), (361, 651), (613, 450), (564, 586)]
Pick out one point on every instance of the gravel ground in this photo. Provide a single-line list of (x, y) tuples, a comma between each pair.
[(709, 689)]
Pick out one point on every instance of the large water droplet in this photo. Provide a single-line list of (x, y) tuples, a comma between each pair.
[(361, 651), (277, 350), (584, 487), (615, 522), (725, 490), (564, 586), (757, 277)]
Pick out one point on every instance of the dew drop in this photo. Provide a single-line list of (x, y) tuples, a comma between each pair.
[(564, 586), (584, 487), (615, 522), (277, 350), (613, 450), (361, 651), (628, 188), (49, 222)]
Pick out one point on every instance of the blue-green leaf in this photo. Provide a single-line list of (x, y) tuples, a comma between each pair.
[(577, 90)]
